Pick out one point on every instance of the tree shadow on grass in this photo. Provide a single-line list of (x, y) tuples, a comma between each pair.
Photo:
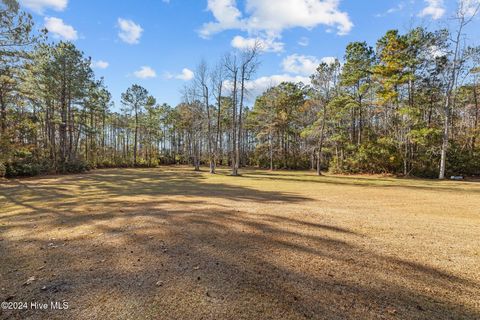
[(110, 187), (355, 181), (191, 258)]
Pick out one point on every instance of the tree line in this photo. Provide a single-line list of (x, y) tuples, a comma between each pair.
[(407, 105)]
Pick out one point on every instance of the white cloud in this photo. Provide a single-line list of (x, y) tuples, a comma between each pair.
[(185, 75), (299, 64), (39, 6), (100, 64), (266, 45), (297, 68), (145, 72), (261, 17), (258, 86), (226, 14), (130, 32), (435, 9), (303, 65), (59, 29), (304, 42), (328, 60), (265, 82)]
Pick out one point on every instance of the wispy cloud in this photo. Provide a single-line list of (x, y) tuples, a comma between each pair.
[(265, 45), (399, 7), (304, 42), (434, 9), (145, 72), (39, 6), (130, 32), (185, 75), (100, 64), (304, 65), (60, 29)]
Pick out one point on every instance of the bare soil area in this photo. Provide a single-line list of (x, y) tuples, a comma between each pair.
[(170, 243)]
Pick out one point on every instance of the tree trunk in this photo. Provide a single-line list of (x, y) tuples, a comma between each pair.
[(209, 133), (63, 124), (443, 154), (475, 124), (217, 138), (135, 139), (448, 101), (271, 151), (360, 121), (234, 128), (320, 143)]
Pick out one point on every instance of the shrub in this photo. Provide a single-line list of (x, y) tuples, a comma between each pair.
[(75, 166), (379, 156), (461, 161), (24, 163)]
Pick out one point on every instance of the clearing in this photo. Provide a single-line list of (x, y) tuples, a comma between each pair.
[(170, 243)]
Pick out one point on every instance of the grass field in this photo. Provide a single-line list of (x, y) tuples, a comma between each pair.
[(170, 243)]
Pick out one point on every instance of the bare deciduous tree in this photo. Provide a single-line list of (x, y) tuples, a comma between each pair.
[(465, 13)]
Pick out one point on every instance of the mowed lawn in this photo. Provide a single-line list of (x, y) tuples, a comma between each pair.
[(170, 243)]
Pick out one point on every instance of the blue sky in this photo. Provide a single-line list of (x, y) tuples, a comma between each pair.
[(159, 43)]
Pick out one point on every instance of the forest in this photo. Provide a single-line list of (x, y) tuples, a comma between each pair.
[(405, 105)]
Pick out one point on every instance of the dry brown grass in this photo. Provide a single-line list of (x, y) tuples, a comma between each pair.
[(170, 243)]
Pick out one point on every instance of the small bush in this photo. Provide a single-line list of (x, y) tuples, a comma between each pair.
[(25, 163), (75, 166)]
